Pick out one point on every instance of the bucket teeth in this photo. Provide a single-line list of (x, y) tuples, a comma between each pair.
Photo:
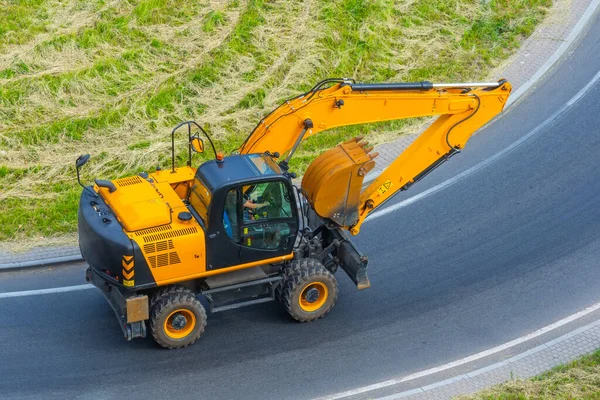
[(355, 139), (365, 145)]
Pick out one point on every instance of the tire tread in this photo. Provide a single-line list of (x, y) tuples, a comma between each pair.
[(295, 277), (168, 300)]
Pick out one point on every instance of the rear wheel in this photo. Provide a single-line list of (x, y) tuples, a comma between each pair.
[(178, 319), (166, 291), (308, 291)]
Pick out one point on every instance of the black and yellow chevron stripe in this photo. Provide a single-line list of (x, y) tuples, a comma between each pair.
[(128, 271)]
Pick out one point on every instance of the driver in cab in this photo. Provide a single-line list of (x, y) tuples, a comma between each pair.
[(229, 213), (250, 208)]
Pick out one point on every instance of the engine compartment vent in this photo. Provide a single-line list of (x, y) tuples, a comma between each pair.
[(153, 230), (158, 246), (130, 180), (164, 259), (170, 234)]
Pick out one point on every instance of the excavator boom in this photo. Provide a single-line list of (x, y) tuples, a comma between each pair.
[(333, 182)]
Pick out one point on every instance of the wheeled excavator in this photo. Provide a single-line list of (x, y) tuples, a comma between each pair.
[(235, 231)]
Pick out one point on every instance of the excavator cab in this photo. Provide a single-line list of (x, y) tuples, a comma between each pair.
[(247, 208)]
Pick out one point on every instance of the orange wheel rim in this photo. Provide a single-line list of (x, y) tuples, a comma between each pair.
[(180, 323), (313, 296)]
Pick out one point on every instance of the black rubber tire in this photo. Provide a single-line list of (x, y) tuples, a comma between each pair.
[(167, 304), (296, 277), (166, 291)]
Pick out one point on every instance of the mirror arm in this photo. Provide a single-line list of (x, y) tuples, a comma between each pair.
[(207, 136), (189, 162), (80, 162), (189, 124)]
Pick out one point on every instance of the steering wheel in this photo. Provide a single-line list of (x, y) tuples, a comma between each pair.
[(268, 197), (260, 210)]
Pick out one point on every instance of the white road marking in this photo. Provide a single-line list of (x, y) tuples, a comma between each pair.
[(465, 360), (39, 292), (492, 367), (494, 158)]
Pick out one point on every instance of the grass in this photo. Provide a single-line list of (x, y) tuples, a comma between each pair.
[(579, 379), (112, 77)]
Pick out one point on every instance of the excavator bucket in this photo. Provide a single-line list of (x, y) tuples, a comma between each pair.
[(333, 181)]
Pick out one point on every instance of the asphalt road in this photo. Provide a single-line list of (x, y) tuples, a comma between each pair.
[(503, 252)]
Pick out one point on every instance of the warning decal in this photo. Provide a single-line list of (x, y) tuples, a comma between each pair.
[(385, 187)]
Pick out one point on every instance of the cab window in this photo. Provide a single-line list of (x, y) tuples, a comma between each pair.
[(268, 200), (264, 165), (268, 219), (200, 198)]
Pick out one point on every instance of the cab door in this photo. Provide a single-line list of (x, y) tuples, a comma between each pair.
[(269, 223), (223, 233)]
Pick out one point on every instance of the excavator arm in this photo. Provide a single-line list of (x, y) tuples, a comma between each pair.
[(333, 181)]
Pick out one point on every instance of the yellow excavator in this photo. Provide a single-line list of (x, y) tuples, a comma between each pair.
[(236, 231)]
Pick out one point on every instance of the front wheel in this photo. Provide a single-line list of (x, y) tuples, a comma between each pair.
[(178, 319), (308, 291)]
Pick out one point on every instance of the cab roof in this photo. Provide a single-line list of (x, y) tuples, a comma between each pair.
[(215, 173)]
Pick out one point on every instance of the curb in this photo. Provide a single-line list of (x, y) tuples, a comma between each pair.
[(575, 33), (40, 263)]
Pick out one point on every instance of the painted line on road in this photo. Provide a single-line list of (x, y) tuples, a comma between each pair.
[(466, 360), (39, 292), (494, 158), (512, 360)]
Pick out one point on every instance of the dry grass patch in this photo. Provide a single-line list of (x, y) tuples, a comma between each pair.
[(111, 77)]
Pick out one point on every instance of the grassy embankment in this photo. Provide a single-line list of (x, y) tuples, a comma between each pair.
[(111, 77), (577, 380)]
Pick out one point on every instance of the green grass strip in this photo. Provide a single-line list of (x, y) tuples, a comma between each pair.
[(370, 40), (579, 379)]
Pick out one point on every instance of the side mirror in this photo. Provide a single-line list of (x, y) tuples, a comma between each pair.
[(197, 144), (81, 160)]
